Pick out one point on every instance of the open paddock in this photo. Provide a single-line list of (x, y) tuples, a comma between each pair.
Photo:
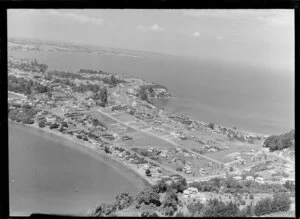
[(101, 117), (222, 155), (125, 117), (143, 139)]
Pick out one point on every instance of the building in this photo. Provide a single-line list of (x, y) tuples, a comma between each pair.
[(150, 150), (237, 177), (190, 192), (259, 180), (178, 149), (188, 171), (249, 178)]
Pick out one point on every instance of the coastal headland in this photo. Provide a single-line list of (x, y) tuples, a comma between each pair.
[(111, 117)]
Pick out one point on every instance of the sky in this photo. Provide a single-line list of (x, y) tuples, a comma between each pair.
[(250, 36)]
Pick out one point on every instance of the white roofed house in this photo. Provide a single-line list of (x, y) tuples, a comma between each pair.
[(188, 171), (237, 177), (190, 191), (249, 178), (146, 166), (259, 180), (178, 149)]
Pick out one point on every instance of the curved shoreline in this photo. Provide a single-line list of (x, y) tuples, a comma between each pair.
[(90, 149)]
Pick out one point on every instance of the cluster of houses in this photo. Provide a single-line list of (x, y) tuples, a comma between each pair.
[(181, 119), (17, 103), (188, 168), (202, 171), (193, 193), (257, 179), (155, 171)]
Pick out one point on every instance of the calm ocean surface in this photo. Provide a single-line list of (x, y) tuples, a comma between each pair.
[(47, 176), (258, 100)]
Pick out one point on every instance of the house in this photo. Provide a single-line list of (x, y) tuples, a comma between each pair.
[(131, 159), (178, 149), (237, 177), (283, 180), (249, 178), (163, 155), (188, 171), (190, 190), (259, 180), (150, 150)]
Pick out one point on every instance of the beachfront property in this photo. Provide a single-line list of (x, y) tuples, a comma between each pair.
[(117, 120)]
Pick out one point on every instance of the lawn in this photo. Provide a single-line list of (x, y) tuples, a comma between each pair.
[(142, 139)]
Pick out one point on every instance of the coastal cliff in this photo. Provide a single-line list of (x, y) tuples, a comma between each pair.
[(153, 91)]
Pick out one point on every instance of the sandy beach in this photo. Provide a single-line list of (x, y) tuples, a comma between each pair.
[(91, 149)]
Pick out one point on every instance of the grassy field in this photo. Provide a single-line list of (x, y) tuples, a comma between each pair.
[(142, 139)]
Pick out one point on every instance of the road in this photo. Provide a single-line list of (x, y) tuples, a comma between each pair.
[(157, 136), (146, 158)]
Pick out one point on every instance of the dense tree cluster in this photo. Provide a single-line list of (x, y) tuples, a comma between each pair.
[(179, 214), (279, 202), (143, 95), (97, 123), (147, 91), (106, 149), (233, 186), (42, 123), (41, 88), (54, 126), (32, 66), (147, 197), (211, 125), (195, 208), (25, 86), (217, 208), (149, 214), (148, 172), (19, 85), (91, 71), (121, 201), (103, 209), (170, 203), (113, 81), (101, 97), (279, 142), (150, 197), (24, 115), (179, 185)]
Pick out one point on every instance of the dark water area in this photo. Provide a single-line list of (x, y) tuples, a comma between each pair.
[(49, 175), (254, 99)]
